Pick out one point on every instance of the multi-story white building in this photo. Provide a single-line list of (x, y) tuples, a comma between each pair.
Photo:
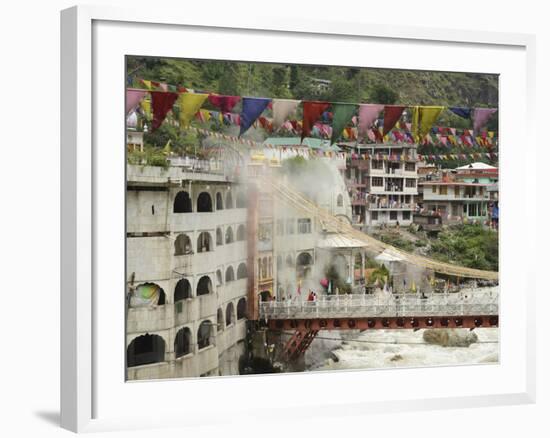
[(186, 272), (383, 186)]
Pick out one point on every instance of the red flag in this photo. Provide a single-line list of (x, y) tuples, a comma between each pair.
[(392, 113), (161, 103), (312, 112), (224, 103)]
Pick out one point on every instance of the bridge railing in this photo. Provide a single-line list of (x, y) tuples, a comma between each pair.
[(364, 306)]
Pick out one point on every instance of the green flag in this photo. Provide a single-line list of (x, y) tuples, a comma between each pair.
[(341, 116)]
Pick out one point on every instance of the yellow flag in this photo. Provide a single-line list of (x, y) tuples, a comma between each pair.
[(491, 134), (147, 84), (146, 107), (189, 104), (423, 117)]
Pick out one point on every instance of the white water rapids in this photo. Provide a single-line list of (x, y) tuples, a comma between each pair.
[(397, 348)]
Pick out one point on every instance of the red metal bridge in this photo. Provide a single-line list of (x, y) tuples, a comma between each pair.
[(466, 309)]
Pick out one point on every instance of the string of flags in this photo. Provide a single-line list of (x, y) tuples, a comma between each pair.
[(348, 121), (346, 155)]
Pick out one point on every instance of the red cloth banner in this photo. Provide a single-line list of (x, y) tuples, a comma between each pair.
[(312, 113), (161, 103), (224, 103), (392, 114)]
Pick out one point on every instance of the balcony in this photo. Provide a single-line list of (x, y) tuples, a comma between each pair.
[(392, 206)]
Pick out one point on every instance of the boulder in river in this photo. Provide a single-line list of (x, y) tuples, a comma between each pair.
[(449, 337)]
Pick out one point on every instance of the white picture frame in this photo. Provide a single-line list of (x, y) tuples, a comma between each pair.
[(83, 182)]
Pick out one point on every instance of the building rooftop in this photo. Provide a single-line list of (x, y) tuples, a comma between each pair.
[(477, 166), (309, 142)]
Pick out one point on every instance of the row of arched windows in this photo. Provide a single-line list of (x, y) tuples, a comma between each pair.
[(184, 246), (230, 314), (147, 349), (184, 204), (242, 272)]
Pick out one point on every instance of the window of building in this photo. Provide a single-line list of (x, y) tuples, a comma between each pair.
[(410, 167), (340, 201), (182, 245), (442, 190), (229, 314), (374, 215), (204, 202), (144, 350), (181, 292), (204, 242), (204, 286), (229, 274), (393, 215), (457, 191), (290, 226), (377, 181), (203, 334), (219, 201), (241, 308), (410, 182), (182, 343), (219, 236), (219, 319), (229, 235), (304, 226), (242, 271), (241, 233), (182, 203), (434, 189), (377, 164), (406, 215)]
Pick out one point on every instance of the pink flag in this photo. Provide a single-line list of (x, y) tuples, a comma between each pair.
[(368, 113), (481, 116), (371, 135), (133, 98)]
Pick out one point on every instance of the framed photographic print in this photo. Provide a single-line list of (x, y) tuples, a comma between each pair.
[(329, 225)]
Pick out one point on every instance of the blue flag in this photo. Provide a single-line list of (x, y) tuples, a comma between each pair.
[(252, 109), (461, 111)]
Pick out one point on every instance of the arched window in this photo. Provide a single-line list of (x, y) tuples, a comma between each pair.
[(204, 202), (303, 265), (241, 308), (204, 242), (182, 203), (182, 290), (147, 295), (182, 245), (220, 319), (229, 235), (229, 274), (219, 201), (204, 286), (340, 201), (241, 200), (204, 333), (219, 236), (219, 277), (229, 314), (241, 271), (182, 343), (228, 201), (144, 350), (241, 232)]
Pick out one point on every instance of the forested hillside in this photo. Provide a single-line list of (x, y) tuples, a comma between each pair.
[(347, 84)]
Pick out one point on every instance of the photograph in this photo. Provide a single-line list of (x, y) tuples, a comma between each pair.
[(287, 218)]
